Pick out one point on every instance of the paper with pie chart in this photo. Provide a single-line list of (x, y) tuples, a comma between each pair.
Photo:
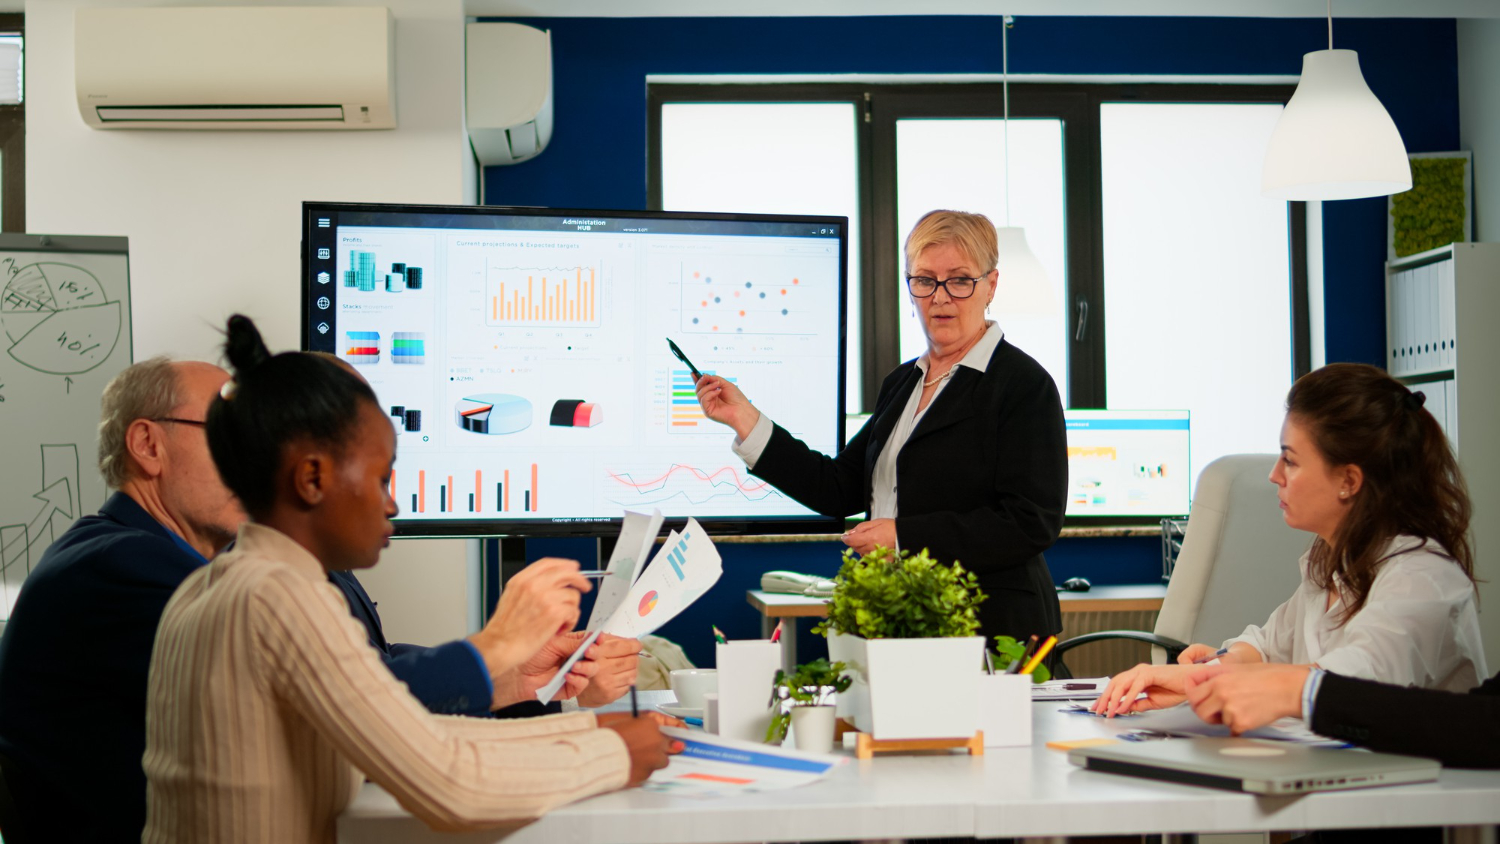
[(685, 568)]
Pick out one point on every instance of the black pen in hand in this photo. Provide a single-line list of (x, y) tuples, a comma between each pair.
[(682, 357)]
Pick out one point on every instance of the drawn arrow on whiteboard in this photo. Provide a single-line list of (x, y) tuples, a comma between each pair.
[(57, 498)]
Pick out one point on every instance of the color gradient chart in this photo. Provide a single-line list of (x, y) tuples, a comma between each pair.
[(684, 415), (466, 492), (542, 296)]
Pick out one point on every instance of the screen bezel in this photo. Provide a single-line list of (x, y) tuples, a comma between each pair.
[(586, 526)]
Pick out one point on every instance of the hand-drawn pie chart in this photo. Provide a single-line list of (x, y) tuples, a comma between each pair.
[(58, 319)]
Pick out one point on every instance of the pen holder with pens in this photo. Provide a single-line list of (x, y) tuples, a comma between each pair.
[(1004, 702), (746, 669)]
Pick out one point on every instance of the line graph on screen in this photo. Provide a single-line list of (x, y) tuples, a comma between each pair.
[(683, 483)]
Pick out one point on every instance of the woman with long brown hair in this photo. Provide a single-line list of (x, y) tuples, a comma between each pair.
[(1388, 585)]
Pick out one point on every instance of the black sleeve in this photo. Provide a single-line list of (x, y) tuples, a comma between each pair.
[(832, 486), (1023, 514), (1461, 731)]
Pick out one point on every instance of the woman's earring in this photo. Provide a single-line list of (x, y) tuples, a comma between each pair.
[(1343, 493)]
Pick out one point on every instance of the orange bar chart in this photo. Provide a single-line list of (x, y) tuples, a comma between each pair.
[(555, 296)]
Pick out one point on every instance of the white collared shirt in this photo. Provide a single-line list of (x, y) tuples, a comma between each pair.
[(883, 480), (1419, 626)]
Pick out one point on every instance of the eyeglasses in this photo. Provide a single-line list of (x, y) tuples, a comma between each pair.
[(199, 422), (957, 287)]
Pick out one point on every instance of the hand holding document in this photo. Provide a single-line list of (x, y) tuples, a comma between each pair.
[(687, 566)]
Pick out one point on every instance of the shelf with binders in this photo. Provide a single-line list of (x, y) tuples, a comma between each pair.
[(1441, 311)]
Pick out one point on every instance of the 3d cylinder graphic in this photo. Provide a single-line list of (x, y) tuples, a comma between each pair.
[(576, 413)]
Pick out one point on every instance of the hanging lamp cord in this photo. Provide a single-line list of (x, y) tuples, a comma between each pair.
[(1005, 95), (1330, 24)]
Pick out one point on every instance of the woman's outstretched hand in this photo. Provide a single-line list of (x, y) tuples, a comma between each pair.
[(723, 402)]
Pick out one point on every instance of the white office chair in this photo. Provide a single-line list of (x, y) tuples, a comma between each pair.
[(1238, 562)]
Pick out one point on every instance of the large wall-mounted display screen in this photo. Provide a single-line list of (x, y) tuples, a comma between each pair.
[(1128, 464), (522, 356)]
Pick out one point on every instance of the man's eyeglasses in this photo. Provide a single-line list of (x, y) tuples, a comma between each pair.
[(957, 287), (199, 422)]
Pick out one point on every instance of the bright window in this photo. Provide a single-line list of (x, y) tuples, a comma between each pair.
[(1196, 271), (771, 158)]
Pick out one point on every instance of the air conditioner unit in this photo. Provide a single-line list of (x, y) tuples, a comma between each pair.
[(236, 67), (507, 91)]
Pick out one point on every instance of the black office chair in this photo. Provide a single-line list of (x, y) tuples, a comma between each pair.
[(11, 824)]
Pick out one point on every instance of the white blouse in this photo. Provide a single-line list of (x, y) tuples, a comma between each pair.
[(1419, 625)]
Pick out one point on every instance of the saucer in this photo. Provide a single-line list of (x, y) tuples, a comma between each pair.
[(680, 711)]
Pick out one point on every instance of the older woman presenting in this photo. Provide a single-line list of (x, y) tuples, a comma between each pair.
[(965, 454)]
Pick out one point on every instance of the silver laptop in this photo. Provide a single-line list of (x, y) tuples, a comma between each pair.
[(1255, 765)]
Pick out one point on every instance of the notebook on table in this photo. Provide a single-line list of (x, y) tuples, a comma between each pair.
[(1254, 765)]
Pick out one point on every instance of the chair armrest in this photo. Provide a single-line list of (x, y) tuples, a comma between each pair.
[(1172, 646)]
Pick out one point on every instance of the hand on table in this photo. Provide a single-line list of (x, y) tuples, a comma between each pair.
[(643, 738), (864, 536), (723, 402), (616, 661), (1193, 653), (1163, 685), (1243, 697)]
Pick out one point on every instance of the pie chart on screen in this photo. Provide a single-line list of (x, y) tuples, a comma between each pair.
[(492, 413), (648, 603)]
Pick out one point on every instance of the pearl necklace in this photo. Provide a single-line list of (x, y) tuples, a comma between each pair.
[(944, 377)]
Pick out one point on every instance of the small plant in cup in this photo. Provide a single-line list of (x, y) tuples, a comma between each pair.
[(1008, 650), (812, 684)]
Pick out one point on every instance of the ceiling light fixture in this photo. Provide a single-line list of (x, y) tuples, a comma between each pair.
[(1334, 140), (1022, 287)]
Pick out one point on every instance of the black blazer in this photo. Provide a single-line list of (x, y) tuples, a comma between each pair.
[(982, 480), (73, 669), (1461, 731)]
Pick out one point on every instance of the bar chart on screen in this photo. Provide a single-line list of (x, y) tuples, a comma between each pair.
[(684, 415), (467, 491), (542, 296)]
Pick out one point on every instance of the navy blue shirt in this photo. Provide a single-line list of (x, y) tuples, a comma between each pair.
[(73, 667)]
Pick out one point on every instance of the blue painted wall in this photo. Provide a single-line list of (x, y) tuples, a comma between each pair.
[(597, 159)]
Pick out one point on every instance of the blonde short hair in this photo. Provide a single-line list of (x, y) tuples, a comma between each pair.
[(973, 234), (146, 390)]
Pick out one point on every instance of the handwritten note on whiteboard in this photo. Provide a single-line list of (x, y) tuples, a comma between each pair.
[(64, 333)]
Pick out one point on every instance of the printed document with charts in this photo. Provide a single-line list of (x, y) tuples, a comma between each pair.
[(687, 566), (712, 766)]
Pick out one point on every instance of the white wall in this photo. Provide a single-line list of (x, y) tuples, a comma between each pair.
[(1479, 118), (213, 221)]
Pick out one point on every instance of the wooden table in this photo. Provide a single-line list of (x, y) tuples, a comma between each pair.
[(775, 606)]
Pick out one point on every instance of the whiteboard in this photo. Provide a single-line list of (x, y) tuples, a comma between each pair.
[(65, 314)]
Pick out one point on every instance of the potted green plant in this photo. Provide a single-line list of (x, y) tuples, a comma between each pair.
[(802, 700), (905, 626)]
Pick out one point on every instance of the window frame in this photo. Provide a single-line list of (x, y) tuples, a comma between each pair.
[(13, 144), (880, 106)]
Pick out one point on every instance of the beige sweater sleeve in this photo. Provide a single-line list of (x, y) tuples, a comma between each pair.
[(484, 773)]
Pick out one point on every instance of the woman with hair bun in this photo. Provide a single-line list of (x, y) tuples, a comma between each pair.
[(1387, 588), (266, 702)]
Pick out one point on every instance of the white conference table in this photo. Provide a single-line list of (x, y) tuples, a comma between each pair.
[(1008, 792)]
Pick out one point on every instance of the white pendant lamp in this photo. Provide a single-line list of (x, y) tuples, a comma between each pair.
[(1023, 287), (1334, 140)]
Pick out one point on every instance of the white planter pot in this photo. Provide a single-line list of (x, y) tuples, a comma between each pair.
[(812, 727), (911, 688), (1005, 709)]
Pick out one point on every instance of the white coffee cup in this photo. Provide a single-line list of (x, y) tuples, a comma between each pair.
[(690, 684)]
